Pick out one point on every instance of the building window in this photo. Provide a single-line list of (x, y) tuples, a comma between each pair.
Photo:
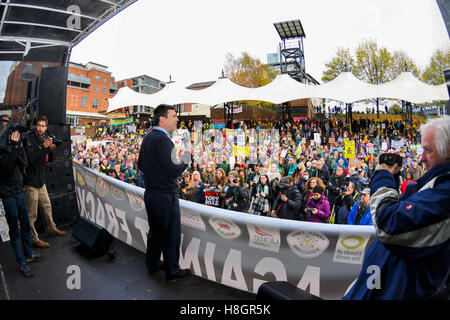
[(97, 78), (95, 89), (104, 90), (105, 80), (95, 103), (84, 101)]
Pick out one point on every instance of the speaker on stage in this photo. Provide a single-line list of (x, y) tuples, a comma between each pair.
[(93, 237), (59, 177), (52, 94), (282, 290)]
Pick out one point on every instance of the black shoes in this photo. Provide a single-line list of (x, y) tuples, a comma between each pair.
[(181, 273), (35, 257), (161, 266), (25, 271)]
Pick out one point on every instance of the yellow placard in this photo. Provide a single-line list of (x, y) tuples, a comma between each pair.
[(349, 149), (241, 151)]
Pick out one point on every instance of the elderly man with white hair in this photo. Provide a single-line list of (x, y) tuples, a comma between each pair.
[(410, 258)]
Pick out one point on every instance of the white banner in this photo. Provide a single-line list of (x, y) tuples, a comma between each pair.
[(235, 249), (4, 230)]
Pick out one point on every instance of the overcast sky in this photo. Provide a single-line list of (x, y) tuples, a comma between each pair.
[(189, 39)]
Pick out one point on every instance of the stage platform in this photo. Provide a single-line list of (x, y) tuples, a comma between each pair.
[(126, 278)]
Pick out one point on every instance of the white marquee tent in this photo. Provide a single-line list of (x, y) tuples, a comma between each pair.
[(346, 88)]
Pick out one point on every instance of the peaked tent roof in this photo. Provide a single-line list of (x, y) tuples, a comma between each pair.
[(345, 87), (223, 90), (282, 89), (126, 97), (407, 87)]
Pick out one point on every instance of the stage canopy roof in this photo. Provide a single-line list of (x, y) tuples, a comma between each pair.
[(46, 30), (346, 88)]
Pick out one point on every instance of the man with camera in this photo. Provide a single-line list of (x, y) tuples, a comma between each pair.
[(39, 148), (412, 249), (13, 162), (287, 204), (236, 198)]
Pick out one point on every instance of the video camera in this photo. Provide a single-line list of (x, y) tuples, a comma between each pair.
[(390, 159), (283, 188), (9, 129)]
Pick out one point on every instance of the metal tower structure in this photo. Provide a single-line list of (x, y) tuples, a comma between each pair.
[(292, 58)]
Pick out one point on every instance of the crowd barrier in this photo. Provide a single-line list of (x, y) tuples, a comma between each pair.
[(232, 248)]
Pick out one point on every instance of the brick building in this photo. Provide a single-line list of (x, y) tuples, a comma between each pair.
[(20, 74), (142, 84), (88, 88)]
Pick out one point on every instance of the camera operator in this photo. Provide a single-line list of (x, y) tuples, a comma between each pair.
[(412, 249), (39, 149), (236, 198), (186, 187), (344, 203), (287, 204), (13, 162), (335, 184)]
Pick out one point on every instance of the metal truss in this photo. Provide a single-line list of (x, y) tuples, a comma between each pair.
[(23, 44)]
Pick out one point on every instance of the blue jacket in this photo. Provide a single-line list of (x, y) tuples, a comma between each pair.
[(410, 257), (366, 219)]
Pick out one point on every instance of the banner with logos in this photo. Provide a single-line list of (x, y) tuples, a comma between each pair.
[(235, 249), (119, 122), (4, 230)]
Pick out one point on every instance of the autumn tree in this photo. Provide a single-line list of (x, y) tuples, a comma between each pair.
[(250, 72), (400, 61), (434, 71), (339, 63)]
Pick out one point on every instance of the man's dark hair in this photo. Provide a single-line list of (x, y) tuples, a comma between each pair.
[(42, 118), (161, 111)]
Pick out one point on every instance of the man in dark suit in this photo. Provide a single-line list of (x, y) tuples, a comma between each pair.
[(161, 165)]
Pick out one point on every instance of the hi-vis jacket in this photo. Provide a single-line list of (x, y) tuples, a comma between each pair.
[(410, 258)]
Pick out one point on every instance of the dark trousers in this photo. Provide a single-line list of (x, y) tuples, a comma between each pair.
[(16, 214), (163, 212)]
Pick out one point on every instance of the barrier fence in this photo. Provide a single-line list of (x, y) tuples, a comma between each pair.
[(232, 248)]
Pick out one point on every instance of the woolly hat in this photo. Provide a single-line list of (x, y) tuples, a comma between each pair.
[(318, 189)]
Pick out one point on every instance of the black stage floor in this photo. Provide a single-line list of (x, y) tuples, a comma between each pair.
[(126, 278)]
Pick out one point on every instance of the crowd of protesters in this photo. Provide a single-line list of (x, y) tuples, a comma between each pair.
[(309, 181)]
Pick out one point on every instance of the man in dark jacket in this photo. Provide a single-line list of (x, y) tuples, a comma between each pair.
[(410, 258), (322, 171), (39, 149), (287, 204), (13, 161), (335, 185), (236, 197), (161, 165)]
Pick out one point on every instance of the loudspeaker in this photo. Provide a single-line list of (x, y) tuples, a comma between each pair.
[(59, 177), (282, 290), (64, 211), (61, 132), (92, 236), (52, 94)]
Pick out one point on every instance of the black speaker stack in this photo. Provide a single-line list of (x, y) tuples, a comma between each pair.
[(59, 178), (51, 90)]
